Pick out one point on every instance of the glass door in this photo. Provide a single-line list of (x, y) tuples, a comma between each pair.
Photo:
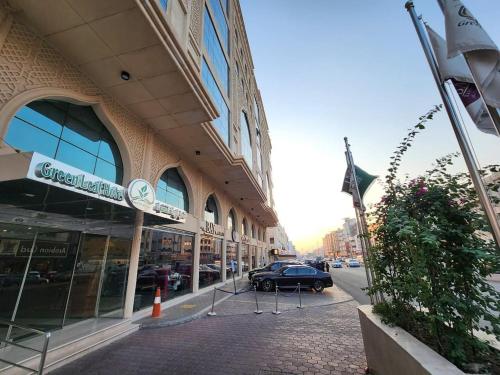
[(87, 275), (114, 279)]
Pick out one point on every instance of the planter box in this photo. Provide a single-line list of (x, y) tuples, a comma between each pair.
[(393, 351)]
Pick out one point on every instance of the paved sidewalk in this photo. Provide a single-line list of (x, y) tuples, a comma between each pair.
[(194, 307), (314, 340)]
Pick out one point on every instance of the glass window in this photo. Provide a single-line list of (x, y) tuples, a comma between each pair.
[(256, 111), (231, 221), (246, 143), (222, 122), (245, 259), (244, 227), (292, 271), (210, 261), (214, 51), (221, 21), (165, 262), (26, 137), (67, 132), (211, 212), (253, 231), (231, 259), (164, 4), (76, 157), (172, 190)]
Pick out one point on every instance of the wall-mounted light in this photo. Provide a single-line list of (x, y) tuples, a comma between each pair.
[(125, 75), (197, 152)]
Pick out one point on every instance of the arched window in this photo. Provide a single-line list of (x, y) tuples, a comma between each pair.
[(211, 212), (70, 133), (172, 190), (253, 231), (246, 142), (231, 221), (244, 227), (259, 234)]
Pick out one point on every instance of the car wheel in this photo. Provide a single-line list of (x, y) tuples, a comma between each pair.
[(267, 285), (318, 286)]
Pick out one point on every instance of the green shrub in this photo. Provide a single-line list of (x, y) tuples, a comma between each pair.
[(432, 252)]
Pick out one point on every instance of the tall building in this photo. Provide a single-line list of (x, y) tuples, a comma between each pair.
[(134, 155)]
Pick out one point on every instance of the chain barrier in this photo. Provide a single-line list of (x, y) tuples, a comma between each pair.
[(288, 294)]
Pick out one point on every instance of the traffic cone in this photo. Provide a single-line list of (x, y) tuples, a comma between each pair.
[(156, 304)]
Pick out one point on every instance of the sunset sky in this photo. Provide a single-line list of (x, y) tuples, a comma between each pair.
[(328, 69)]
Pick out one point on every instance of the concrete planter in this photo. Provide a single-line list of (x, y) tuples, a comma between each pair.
[(393, 351)]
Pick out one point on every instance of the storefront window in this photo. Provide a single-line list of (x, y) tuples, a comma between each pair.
[(210, 261), (165, 262), (245, 260), (231, 259), (253, 254)]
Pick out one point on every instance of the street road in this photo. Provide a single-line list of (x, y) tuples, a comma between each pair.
[(351, 280)]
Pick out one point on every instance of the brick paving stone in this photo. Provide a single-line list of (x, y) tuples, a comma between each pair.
[(314, 340)]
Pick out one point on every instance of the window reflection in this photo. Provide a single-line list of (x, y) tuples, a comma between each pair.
[(246, 144), (231, 259), (210, 261), (67, 132), (165, 261), (245, 259), (172, 190)]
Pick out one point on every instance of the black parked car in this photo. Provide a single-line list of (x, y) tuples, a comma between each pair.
[(289, 276), (271, 267)]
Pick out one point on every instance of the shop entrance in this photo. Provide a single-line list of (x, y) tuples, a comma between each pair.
[(50, 278)]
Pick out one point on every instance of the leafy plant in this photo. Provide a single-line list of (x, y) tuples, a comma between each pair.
[(431, 255)]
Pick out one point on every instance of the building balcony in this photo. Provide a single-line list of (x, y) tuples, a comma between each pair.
[(164, 88)]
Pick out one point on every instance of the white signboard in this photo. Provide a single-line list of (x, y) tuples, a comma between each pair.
[(140, 194)]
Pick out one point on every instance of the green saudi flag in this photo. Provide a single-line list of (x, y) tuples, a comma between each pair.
[(364, 180)]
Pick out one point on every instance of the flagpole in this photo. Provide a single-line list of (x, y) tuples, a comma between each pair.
[(470, 161), (360, 213)]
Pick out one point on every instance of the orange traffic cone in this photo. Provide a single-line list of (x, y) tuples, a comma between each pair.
[(156, 304)]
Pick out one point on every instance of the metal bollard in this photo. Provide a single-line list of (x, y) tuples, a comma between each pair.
[(212, 312), (257, 311), (300, 299), (276, 311), (234, 282)]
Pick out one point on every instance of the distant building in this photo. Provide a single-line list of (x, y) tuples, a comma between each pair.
[(277, 239), (343, 242)]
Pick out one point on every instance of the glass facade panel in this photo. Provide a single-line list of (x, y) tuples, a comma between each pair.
[(246, 143), (45, 292), (165, 261), (171, 189), (164, 4), (30, 138), (12, 267), (70, 133), (76, 157), (231, 259), (214, 51), (210, 261), (245, 258), (221, 21), (221, 123)]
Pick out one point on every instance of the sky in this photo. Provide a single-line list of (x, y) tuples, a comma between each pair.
[(329, 69)]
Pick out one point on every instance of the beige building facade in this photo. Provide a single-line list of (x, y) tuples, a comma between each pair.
[(134, 155)]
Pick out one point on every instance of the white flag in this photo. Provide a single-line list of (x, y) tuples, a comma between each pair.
[(465, 35), (457, 71)]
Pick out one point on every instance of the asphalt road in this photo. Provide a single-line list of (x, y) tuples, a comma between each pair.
[(351, 280)]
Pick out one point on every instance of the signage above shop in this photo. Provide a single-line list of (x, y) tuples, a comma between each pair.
[(139, 193), (212, 228), (245, 238)]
